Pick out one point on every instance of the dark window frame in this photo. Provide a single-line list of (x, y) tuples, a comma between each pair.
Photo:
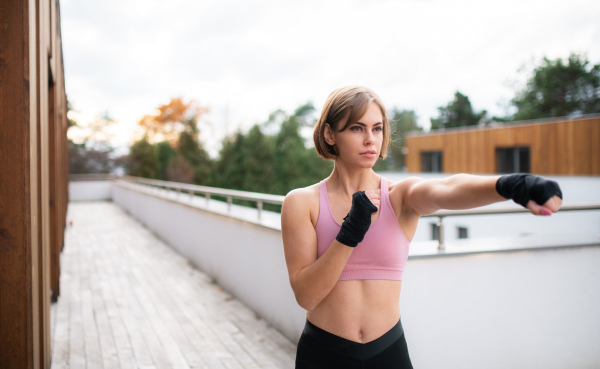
[(435, 232), (513, 159), (432, 161), (462, 232)]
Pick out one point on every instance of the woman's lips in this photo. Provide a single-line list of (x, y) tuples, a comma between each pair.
[(369, 154)]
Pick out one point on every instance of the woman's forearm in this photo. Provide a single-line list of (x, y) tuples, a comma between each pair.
[(465, 191), (460, 191), (314, 282)]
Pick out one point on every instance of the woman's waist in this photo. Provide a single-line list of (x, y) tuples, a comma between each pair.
[(360, 310)]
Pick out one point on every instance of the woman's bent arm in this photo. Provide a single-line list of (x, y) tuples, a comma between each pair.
[(311, 279)]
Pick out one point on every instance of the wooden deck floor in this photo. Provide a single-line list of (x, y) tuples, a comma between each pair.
[(129, 301)]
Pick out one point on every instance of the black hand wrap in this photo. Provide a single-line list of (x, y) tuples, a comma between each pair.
[(358, 220), (524, 187)]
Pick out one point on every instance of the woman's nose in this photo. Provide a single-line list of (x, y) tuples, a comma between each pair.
[(369, 138)]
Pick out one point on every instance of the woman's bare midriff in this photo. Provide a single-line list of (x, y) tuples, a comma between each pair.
[(359, 310)]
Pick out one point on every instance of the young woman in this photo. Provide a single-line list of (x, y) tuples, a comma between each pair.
[(346, 238)]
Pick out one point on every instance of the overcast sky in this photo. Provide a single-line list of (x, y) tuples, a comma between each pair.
[(245, 59)]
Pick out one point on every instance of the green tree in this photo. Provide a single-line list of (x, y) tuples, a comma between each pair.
[(190, 147), (401, 122), (165, 153), (179, 170), (85, 158), (143, 159), (229, 169), (273, 164), (93, 152), (258, 161), (176, 125), (559, 88), (457, 113), (305, 114), (291, 164)]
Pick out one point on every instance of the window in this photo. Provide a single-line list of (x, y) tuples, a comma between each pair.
[(435, 232), (513, 160), (431, 161), (463, 232)]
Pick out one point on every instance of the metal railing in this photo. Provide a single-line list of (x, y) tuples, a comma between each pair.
[(261, 198), (441, 214), (208, 192)]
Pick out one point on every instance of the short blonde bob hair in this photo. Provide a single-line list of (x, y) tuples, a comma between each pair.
[(347, 104)]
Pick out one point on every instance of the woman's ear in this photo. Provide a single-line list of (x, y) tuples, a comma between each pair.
[(328, 135)]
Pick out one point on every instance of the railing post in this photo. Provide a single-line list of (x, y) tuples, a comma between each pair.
[(207, 197), (259, 204), (229, 204), (441, 245)]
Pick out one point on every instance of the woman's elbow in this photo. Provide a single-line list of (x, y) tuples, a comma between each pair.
[(305, 300), (306, 305)]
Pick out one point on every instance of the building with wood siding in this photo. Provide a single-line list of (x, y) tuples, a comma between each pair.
[(564, 146), (33, 177)]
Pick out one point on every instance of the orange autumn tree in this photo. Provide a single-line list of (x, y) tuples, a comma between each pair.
[(171, 119), (174, 134)]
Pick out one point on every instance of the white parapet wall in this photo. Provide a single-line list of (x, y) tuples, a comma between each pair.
[(244, 258), (90, 190), (529, 308)]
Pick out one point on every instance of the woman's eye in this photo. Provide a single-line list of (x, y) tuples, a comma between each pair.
[(378, 129), (356, 128)]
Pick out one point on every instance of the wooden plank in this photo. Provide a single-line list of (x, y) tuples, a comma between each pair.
[(159, 302), (551, 152), (110, 358), (539, 162), (17, 287), (581, 155), (119, 333), (595, 147), (43, 327), (76, 339), (91, 336), (147, 275), (60, 335)]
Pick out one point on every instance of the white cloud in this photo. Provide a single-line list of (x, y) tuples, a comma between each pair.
[(246, 59)]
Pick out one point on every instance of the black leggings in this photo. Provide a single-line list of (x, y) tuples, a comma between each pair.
[(320, 349)]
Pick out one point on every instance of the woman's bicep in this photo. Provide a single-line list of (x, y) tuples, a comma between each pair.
[(419, 195), (299, 236)]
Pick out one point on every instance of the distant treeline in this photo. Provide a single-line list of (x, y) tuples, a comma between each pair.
[(277, 163)]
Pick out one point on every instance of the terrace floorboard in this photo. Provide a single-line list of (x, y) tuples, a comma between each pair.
[(128, 300)]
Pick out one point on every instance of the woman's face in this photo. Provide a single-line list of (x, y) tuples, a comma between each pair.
[(360, 143)]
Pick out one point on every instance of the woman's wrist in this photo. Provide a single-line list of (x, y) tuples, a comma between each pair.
[(524, 187), (357, 222)]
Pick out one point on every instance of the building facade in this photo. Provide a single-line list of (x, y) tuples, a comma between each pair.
[(33, 177), (568, 146)]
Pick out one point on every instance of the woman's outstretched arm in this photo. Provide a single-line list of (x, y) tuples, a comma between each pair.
[(465, 191)]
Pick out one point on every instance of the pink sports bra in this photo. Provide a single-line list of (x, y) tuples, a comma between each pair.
[(383, 252)]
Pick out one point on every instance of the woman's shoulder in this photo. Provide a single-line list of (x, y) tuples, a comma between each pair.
[(402, 184), (398, 189), (304, 195), (301, 201)]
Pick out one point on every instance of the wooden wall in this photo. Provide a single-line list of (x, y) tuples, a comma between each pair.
[(33, 177), (563, 147)]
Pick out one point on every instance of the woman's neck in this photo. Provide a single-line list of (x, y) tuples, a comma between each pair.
[(349, 180)]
